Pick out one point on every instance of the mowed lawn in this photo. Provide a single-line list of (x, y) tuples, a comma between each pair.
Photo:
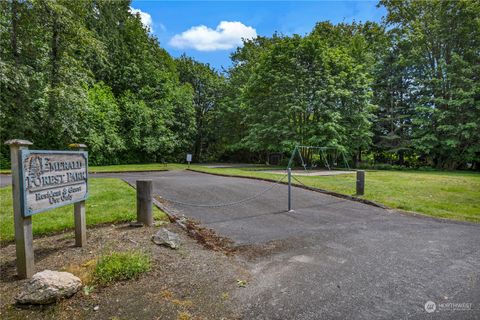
[(129, 167), (109, 201), (137, 167), (452, 195)]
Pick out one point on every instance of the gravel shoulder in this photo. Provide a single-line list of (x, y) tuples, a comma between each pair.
[(192, 282)]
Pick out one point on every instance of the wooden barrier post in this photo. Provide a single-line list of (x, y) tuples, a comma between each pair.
[(79, 211), (360, 182), (23, 225), (144, 202)]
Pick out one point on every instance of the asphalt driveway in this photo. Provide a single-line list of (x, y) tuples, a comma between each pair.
[(332, 258), (5, 180)]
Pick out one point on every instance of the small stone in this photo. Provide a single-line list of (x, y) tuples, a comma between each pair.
[(166, 238), (48, 287), (96, 308)]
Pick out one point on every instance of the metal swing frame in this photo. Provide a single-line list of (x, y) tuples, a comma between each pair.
[(321, 152)]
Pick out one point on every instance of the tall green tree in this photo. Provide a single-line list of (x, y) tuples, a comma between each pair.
[(395, 99), (71, 71), (444, 57), (308, 90), (43, 73), (144, 76), (207, 89), (101, 130)]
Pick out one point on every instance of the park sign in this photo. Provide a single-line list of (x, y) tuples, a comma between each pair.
[(50, 179), (43, 180)]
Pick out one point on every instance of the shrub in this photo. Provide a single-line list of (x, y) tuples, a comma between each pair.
[(118, 266)]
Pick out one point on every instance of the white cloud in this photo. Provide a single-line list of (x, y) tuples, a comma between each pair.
[(146, 18), (227, 35)]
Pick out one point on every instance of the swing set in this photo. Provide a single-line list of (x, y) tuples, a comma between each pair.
[(312, 157)]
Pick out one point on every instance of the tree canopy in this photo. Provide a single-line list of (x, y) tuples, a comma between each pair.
[(405, 91)]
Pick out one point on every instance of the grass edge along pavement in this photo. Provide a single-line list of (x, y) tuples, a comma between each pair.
[(439, 194), (110, 201), (144, 167)]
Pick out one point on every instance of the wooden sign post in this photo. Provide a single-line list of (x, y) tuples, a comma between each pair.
[(23, 225), (43, 180), (79, 211)]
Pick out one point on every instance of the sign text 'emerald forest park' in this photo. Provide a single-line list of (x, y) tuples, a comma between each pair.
[(51, 179)]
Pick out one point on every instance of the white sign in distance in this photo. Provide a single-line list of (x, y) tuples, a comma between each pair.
[(51, 179), (189, 157)]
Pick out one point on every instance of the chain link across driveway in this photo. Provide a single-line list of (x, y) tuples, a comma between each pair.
[(331, 258)]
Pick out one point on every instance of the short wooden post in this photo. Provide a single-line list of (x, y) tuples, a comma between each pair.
[(79, 211), (144, 202), (360, 182), (80, 224), (23, 225)]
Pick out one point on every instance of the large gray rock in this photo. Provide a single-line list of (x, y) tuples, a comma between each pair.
[(166, 238), (49, 286)]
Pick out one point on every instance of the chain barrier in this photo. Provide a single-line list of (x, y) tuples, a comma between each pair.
[(228, 204), (303, 184), (345, 184)]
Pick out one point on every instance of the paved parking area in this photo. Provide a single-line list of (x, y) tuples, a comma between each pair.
[(5, 180), (333, 258)]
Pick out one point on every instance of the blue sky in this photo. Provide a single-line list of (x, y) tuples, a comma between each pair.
[(196, 28)]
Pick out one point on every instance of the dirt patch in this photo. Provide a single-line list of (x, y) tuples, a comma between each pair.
[(251, 253), (189, 283), (204, 236)]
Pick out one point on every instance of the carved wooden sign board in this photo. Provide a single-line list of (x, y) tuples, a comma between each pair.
[(51, 179)]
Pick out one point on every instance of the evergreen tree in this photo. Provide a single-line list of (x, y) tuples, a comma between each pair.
[(444, 59), (207, 89)]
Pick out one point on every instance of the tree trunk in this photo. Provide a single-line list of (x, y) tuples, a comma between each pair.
[(401, 157), (358, 158)]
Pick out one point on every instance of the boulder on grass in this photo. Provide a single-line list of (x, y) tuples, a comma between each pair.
[(166, 238), (49, 286)]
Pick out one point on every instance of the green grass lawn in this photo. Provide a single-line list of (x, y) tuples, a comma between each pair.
[(452, 195), (137, 167), (109, 200)]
